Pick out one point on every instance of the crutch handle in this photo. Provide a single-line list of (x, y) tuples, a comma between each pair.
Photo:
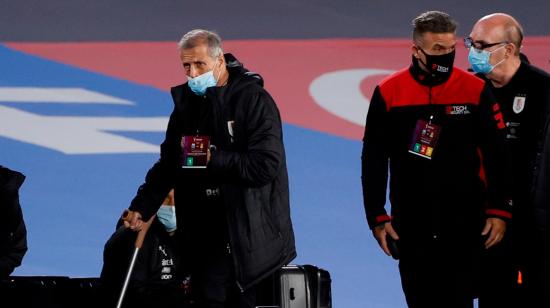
[(144, 227)]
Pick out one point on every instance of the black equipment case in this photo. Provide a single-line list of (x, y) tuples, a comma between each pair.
[(296, 286)]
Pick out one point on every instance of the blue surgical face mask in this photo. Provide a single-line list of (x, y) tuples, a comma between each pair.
[(202, 82), (479, 60), (167, 216)]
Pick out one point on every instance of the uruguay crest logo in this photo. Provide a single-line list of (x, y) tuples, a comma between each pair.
[(519, 104)]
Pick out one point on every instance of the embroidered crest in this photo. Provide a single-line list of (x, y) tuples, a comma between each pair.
[(230, 125), (519, 104)]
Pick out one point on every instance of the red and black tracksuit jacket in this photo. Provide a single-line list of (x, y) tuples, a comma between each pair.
[(462, 184)]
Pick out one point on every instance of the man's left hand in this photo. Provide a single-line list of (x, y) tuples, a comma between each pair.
[(495, 228)]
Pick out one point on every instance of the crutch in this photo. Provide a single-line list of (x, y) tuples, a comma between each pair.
[(137, 245)]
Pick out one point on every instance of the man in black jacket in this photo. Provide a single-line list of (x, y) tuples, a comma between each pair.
[(158, 277), (430, 123), (234, 215), (13, 234), (523, 92)]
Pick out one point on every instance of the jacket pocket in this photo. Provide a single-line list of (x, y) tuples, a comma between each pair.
[(262, 228)]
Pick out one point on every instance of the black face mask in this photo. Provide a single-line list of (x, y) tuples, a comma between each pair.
[(440, 68)]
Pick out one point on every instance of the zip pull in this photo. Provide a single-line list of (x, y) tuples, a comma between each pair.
[(241, 288), (431, 118)]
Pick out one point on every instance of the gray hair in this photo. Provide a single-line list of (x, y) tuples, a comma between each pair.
[(197, 37)]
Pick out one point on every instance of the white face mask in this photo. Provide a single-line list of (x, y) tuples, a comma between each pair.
[(166, 214)]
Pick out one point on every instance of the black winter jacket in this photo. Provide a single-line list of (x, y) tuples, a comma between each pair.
[(444, 194), (249, 164), (541, 187), (525, 102), (13, 234)]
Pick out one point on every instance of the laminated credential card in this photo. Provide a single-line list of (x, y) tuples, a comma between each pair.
[(195, 151)]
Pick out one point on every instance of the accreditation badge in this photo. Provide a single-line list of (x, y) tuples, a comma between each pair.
[(195, 151), (424, 140)]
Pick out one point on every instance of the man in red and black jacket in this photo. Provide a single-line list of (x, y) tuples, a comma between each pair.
[(442, 134)]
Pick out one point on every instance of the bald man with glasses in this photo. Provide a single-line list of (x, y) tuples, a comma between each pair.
[(518, 272)]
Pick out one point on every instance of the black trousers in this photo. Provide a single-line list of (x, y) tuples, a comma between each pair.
[(214, 284), (438, 275), (429, 286), (500, 286)]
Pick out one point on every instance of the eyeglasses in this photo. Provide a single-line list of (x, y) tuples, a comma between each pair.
[(469, 43)]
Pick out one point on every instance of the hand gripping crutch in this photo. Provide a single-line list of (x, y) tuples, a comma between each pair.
[(137, 245)]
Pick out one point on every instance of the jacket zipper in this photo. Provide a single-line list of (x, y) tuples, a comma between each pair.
[(216, 108)]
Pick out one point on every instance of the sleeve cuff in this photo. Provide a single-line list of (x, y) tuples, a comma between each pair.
[(380, 219), (498, 213)]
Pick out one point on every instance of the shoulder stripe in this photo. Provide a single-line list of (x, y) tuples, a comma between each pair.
[(401, 90)]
